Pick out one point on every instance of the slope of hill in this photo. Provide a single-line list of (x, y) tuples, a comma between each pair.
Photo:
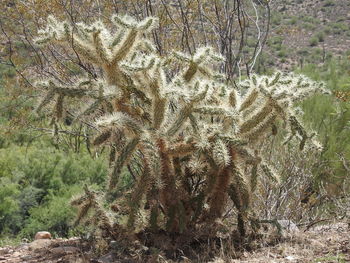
[(307, 31)]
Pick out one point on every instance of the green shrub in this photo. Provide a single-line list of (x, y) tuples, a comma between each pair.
[(329, 3), (292, 21), (310, 19), (313, 41), (275, 42), (327, 30), (320, 36), (282, 53), (264, 64), (308, 26), (55, 216), (339, 28), (304, 52), (29, 197), (9, 206), (46, 168), (330, 116), (276, 18), (31, 179)]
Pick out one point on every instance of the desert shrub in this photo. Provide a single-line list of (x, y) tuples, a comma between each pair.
[(275, 42), (50, 169), (304, 52), (310, 19), (10, 113), (265, 63), (54, 216), (297, 197), (292, 20), (282, 53), (330, 115), (276, 18), (339, 28), (313, 41), (33, 177), (327, 30), (320, 36), (9, 207), (189, 139), (316, 55), (314, 183), (328, 3), (29, 197), (308, 26)]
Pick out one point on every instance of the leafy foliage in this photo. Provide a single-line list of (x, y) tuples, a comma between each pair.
[(37, 182), (329, 116), (53, 215)]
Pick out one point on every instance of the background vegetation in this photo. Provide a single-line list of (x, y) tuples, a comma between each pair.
[(38, 177)]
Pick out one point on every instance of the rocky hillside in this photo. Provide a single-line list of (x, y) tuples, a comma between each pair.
[(307, 31)]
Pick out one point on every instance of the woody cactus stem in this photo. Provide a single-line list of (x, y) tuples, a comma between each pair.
[(193, 139)]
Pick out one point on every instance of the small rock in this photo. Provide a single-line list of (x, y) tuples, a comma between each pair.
[(23, 246), (39, 244), (25, 258), (42, 235), (288, 225), (290, 258), (64, 250), (316, 243), (110, 257), (4, 251)]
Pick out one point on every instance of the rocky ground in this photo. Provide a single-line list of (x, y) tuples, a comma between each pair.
[(44, 250), (328, 243)]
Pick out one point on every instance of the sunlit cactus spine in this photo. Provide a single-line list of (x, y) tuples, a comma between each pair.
[(191, 138)]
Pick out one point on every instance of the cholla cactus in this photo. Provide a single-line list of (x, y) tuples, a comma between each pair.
[(195, 139)]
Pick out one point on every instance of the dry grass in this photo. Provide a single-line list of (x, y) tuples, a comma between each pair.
[(328, 243)]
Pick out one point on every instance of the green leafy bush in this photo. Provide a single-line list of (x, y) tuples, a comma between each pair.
[(9, 206), (54, 215), (37, 179), (320, 36), (313, 41), (330, 116)]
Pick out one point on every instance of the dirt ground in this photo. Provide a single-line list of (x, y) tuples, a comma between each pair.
[(327, 243)]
